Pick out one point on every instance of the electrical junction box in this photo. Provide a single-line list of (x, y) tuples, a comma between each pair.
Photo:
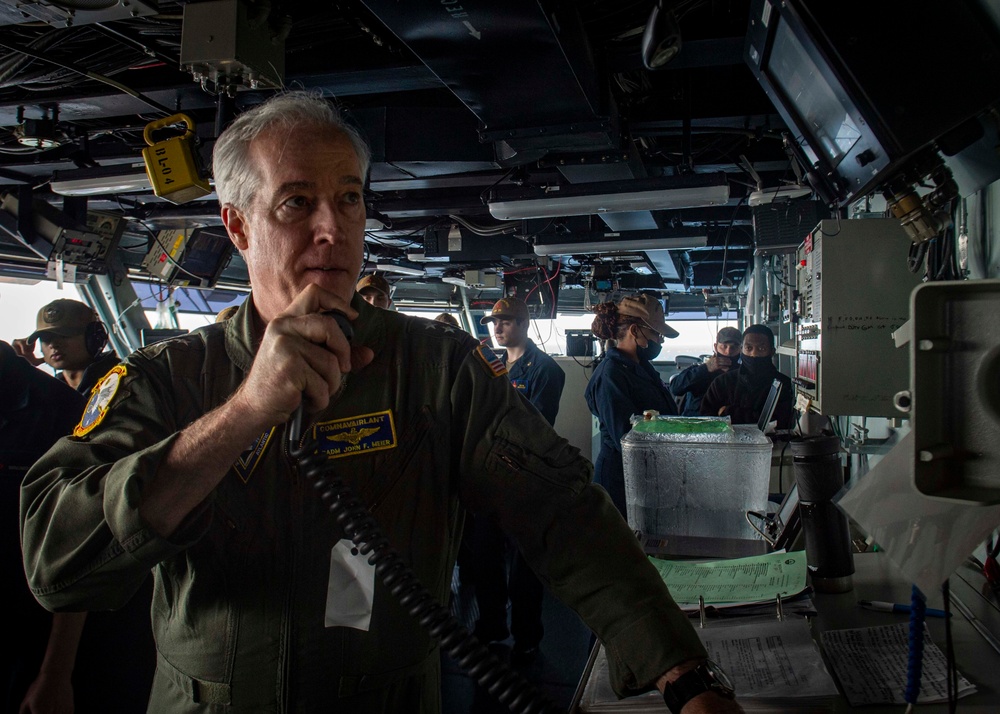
[(165, 254), (105, 231), (226, 42), (56, 237), (854, 291), (189, 258), (481, 279)]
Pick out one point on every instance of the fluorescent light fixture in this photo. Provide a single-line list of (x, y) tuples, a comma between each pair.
[(454, 280), (614, 243), (779, 193), (95, 182), (401, 269), (421, 257), (375, 220), (685, 191)]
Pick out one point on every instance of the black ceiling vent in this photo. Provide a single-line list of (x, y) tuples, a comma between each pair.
[(780, 226)]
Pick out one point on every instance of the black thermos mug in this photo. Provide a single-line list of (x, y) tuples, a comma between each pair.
[(819, 476)]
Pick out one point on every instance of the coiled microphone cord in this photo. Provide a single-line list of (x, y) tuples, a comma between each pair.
[(351, 514)]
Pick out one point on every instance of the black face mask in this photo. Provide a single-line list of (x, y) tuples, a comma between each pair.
[(649, 352), (757, 366)]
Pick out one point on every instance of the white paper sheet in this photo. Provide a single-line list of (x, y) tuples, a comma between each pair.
[(770, 659), (870, 664), (351, 588), (767, 661), (925, 537)]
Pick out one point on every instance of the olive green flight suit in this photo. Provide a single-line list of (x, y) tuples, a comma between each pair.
[(241, 587)]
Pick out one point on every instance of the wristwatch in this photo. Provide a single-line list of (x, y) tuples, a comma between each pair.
[(706, 677)]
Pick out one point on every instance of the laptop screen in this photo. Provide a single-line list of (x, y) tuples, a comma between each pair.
[(769, 406)]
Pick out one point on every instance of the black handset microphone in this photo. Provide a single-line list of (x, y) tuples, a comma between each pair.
[(352, 515), (298, 417)]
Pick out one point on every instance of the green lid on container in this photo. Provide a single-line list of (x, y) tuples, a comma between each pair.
[(683, 425)]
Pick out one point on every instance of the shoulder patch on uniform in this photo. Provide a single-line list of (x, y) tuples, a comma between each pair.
[(248, 460), (100, 397), (493, 363), (356, 435)]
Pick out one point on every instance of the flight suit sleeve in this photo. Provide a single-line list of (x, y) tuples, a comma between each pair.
[(515, 468), (84, 545)]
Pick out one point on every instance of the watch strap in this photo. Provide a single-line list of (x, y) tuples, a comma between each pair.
[(692, 683)]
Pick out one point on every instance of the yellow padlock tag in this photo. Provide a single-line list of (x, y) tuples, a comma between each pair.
[(171, 165)]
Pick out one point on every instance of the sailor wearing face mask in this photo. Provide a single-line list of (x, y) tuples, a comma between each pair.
[(693, 382), (740, 393), (625, 383)]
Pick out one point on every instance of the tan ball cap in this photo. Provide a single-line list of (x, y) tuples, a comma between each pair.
[(649, 311)]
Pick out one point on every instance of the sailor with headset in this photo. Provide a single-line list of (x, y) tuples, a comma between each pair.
[(73, 341), (116, 654)]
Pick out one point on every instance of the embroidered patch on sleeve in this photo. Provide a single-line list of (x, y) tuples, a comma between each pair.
[(493, 363), (356, 435), (100, 397), (249, 459)]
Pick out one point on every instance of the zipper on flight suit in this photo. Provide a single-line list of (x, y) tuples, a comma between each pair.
[(292, 463)]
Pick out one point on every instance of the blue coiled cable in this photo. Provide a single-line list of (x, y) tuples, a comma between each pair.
[(918, 607)]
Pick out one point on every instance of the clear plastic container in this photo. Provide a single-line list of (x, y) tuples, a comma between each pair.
[(695, 477)]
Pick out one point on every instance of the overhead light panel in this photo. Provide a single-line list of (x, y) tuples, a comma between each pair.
[(375, 220), (778, 193), (89, 182), (618, 242), (688, 191), (763, 196), (401, 267)]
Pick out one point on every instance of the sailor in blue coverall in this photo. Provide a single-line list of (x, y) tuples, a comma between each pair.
[(538, 378), (693, 382), (625, 382)]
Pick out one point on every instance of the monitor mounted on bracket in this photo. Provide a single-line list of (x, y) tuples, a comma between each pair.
[(842, 76)]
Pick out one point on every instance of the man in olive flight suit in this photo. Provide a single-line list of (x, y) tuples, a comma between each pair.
[(179, 465)]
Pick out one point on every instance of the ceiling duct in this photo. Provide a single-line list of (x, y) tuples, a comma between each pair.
[(526, 72), (73, 12)]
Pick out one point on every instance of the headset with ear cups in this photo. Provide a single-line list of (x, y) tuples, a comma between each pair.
[(95, 337)]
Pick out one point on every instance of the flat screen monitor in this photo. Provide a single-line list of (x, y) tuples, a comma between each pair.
[(841, 75), (799, 78), (205, 256)]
